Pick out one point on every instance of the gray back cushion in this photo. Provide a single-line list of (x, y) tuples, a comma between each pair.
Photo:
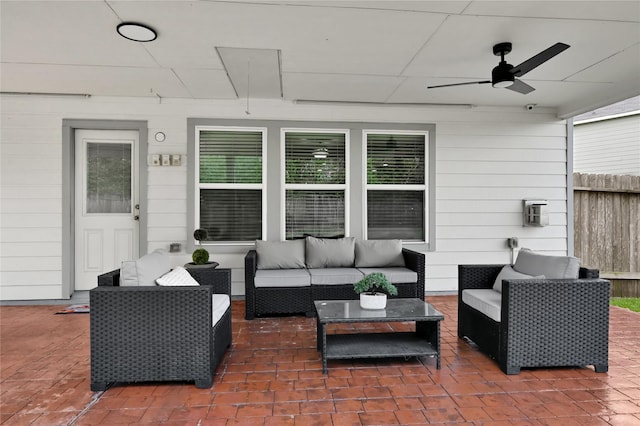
[(507, 273), (330, 253), (145, 270), (280, 254), (531, 263), (378, 253)]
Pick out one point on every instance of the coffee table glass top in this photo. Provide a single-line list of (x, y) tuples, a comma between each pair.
[(397, 309)]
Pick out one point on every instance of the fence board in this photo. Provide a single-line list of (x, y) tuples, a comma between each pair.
[(607, 227)]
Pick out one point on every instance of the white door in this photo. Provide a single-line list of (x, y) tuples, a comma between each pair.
[(106, 202)]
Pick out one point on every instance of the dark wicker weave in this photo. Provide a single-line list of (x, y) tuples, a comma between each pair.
[(299, 300), (141, 334), (545, 323)]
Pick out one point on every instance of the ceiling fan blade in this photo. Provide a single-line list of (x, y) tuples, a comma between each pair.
[(520, 87), (538, 59), (459, 84)]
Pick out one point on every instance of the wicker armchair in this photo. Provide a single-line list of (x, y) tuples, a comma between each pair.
[(141, 334), (544, 323)]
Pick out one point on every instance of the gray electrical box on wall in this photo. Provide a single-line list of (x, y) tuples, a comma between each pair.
[(535, 213)]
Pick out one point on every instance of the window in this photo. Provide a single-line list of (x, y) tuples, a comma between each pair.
[(230, 183), (396, 190), (315, 183)]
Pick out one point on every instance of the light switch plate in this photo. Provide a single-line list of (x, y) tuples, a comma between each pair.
[(153, 160)]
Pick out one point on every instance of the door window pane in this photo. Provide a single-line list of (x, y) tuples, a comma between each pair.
[(108, 172)]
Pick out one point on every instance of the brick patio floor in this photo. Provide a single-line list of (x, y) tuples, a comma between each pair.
[(272, 376)]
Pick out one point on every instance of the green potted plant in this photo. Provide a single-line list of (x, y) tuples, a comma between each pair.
[(200, 255), (373, 290)]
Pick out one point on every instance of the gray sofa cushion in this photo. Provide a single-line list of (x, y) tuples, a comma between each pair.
[(330, 253), (531, 263), (280, 254), (484, 300), (282, 278), (507, 273), (145, 270), (331, 276), (394, 274), (378, 253)]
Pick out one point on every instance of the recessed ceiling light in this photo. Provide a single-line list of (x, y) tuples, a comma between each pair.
[(137, 32)]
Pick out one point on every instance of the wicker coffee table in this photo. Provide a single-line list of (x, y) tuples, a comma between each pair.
[(425, 341)]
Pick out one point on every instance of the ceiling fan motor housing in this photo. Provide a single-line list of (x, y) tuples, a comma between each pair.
[(501, 75)]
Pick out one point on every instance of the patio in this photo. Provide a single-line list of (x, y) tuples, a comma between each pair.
[(272, 375)]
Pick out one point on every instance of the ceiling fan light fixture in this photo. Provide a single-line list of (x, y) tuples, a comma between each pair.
[(504, 83), (137, 32), (321, 153)]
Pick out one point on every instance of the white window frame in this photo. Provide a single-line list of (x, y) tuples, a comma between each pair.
[(377, 187), (261, 186), (310, 187)]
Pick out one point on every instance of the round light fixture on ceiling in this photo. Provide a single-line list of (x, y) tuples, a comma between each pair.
[(136, 32)]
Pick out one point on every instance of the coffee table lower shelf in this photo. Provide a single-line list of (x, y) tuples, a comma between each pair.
[(377, 345)]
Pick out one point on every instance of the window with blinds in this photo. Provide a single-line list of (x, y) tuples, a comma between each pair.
[(396, 186), (230, 182), (315, 184)]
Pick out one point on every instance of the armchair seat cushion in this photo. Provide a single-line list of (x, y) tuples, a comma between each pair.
[(394, 274), (282, 278), (219, 305), (486, 301), (331, 276)]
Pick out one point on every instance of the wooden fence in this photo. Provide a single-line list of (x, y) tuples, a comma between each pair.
[(607, 228)]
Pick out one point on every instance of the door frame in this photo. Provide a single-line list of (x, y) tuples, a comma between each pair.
[(69, 126)]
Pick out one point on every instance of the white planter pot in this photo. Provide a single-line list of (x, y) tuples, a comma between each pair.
[(373, 301)]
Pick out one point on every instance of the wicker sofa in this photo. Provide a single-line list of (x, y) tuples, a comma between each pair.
[(159, 333), (535, 322), (285, 277)]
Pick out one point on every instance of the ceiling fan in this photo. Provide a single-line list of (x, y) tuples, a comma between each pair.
[(504, 75)]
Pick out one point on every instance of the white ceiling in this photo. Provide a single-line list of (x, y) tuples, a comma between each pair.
[(345, 51)]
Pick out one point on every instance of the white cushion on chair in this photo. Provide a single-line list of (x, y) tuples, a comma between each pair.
[(219, 305), (487, 301), (177, 277)]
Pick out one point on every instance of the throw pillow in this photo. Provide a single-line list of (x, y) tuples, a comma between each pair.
[(177, 277), (507, 273), (330, 253), (378, 253), (553, 267), (280, 254)]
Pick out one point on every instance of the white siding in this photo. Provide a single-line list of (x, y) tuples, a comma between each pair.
[(487, 160), (608, 146)]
